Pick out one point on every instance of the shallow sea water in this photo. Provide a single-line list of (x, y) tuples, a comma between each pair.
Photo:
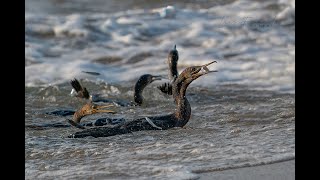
[(242, 115)]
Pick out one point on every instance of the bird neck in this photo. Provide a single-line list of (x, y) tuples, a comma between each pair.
[(138, 89), (183, 110), (173, 72), (77, 116)]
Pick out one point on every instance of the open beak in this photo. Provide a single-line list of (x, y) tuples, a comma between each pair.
[(100, 109), (204, 68)]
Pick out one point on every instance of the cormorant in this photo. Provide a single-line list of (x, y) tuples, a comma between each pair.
[(177, 119), (88, 109), (172, 62)]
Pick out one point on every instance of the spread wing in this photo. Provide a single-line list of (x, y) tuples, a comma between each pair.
[(166, 88), (76, 85), (82, 91), (86, 93)]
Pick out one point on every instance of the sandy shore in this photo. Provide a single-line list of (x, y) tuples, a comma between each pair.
[(282, 170)]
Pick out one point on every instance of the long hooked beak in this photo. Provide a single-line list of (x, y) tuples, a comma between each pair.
[(205, 67), (100, 109)]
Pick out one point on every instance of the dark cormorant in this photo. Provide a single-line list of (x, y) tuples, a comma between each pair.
[(172, 62), (143, 82), (177, 119)]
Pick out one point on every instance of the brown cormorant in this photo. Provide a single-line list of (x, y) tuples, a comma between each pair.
[(177, 119), (88, 109)]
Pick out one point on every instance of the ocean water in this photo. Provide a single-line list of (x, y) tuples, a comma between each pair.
[(242, 115)]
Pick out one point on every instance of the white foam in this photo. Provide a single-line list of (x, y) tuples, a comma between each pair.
[(73, 26), (168, 12), (264, 58)]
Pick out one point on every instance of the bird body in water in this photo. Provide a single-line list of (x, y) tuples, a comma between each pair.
[(179, 118)]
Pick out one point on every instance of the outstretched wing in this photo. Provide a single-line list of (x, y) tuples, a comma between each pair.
[(76, 85), (166, 88), (82, 91), (86, 93)]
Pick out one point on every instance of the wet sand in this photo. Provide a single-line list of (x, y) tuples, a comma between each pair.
[(282, 170)]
